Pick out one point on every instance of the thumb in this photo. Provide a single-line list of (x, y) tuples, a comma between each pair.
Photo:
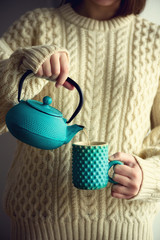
[(68, 85)]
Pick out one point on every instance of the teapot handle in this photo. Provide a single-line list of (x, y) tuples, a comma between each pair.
[(28, 72)]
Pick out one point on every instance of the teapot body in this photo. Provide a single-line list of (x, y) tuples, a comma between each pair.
[(36, 128), (39, 124)]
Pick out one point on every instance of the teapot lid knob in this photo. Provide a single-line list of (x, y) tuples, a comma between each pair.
[(47, 100)]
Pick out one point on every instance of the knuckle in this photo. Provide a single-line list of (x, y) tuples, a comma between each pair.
[(54, 56), (118, 155), (134, 192), (63, 54), (135, 188), (134, 175)]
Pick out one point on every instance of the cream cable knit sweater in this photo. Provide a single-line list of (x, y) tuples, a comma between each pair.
[(117, 65)]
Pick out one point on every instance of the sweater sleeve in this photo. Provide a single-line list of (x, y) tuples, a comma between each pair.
[(149, 158), (20, 51)]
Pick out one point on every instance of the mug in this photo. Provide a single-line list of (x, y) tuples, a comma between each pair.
[(90, 165)]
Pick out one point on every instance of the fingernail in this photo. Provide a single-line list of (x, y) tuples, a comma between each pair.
[(111, 157)]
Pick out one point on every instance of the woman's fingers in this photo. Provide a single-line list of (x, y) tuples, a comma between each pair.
[(40, 72), (120, 195), (68, 85), (56, 67), (46, 66), (123, 180), (123, 170), (63, 70), (128, 176)]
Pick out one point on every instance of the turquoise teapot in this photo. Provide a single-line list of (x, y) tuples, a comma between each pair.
[(39, 124)]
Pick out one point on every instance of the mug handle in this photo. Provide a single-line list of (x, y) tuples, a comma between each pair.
[(112, 163)]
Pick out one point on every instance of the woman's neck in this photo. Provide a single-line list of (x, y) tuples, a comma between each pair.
[(97, 12)]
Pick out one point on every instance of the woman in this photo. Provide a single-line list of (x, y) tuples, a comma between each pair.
[(113, 55)]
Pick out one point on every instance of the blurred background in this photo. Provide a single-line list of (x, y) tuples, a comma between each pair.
[(9, 12)]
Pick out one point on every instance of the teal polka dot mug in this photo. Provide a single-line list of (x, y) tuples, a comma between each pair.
[(90, 165)]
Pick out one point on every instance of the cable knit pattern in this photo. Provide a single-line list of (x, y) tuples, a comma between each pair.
[(117, 65)]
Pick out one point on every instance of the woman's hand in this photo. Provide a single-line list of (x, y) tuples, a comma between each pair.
[(57, 67), (128, 176)]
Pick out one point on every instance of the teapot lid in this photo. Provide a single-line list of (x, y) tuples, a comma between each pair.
[(44, 107)]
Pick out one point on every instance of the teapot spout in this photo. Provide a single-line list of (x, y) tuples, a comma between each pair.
[(71, 132)]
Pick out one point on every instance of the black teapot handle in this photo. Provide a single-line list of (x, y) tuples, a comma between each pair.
[(28, 72)]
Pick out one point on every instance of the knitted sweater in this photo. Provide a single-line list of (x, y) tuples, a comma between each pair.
[(117, 65)]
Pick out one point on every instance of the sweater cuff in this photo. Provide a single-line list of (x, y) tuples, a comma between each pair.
[(150, 188), (34, 57)]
